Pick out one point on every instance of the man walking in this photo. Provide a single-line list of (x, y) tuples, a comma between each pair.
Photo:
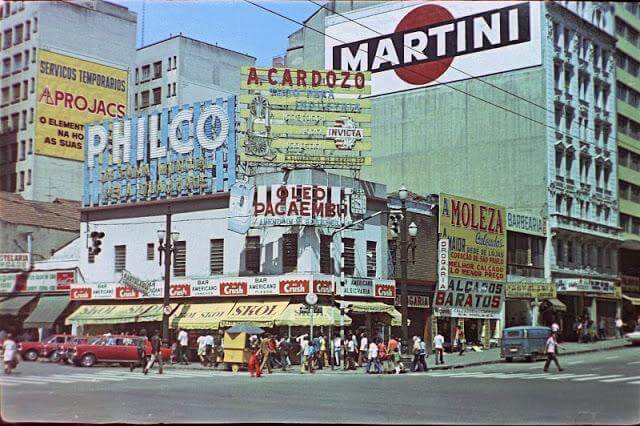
[(337, 349), (217, 348), (208, 348), (156, 354), (364, 346), (419, 353), (619, 325), (141, 346), (373, 358), (323, 361), (602, 325), (438, 344), (183, 345), (551, 349), (202, 349), (265, 349), (350, 362)]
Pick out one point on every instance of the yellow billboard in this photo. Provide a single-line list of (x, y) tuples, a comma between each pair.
[(477, 238), (71, 93), (305, 117)]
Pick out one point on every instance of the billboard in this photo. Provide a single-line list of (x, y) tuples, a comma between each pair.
[(469, 299), (185, 151), (37, 281), (20, 261), (407, 45), (72, 92), (305, 118), (477, 238), (531, 290)]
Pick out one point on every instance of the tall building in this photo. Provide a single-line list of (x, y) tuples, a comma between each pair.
[(522, 115), (627, 24), (181, 70), (80, 42)]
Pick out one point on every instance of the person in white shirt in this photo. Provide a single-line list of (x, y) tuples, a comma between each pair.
[(208, 348), (551, 349), (364, 344), (438, 344), (555, 327), (373, 358), (337, 350), (202, 350), (350, 361), (619, 325), (9, 348), (183, 345)]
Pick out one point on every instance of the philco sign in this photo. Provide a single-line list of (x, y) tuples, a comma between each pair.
[(238, 288), (294, 286), (415, 45)]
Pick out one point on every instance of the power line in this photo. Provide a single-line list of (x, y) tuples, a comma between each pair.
[(409, 69)]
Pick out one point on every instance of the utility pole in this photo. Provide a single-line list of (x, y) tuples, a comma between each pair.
[(166, 310), (404, 295)]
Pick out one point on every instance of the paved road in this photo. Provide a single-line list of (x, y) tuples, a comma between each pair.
[(595, 388)]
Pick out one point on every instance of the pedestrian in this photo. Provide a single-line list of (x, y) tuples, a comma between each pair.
[(438, 344), (619, 325), (183, 345), (265, 351), (218, 352), (10, 354), (585, 330), (555, 327), (602, 324), (322, 354), (208, 348), (363, 351), (382, 356), (283, 349), (156, 354), (423, 354), (551, 349), (254, 359), (373, 358), (141, 348), (350, 355), (419, 353), (202, 349), (395, 359), (460, 341), (337, 350)]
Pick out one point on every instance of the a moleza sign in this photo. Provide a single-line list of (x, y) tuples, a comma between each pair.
[(406, 45), (179, 152)]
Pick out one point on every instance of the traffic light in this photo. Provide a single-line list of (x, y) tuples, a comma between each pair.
[(395, 216), (96, 242)]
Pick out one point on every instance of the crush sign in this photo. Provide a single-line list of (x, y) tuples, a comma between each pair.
[(409, 45), (477, 237)]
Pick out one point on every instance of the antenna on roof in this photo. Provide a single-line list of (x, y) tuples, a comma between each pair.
[(144, 9)]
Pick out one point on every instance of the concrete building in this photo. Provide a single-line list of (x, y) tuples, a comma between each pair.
[(627, 24), (180, 70), (538, 138), (91, 30)]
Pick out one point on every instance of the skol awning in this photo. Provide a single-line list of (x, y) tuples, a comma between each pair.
[(260, 312), (330, 315), (635, 301), (200, 316), (13, 305), (47, 311), (116, 314)]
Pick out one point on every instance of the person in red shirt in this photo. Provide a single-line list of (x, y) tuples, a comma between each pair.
[(254, 359), (382, 355)]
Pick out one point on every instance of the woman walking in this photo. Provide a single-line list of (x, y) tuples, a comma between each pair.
[(10, 354)]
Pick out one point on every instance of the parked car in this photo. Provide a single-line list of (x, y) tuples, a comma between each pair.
[(64, 351), (30, 351), (526, 342), (634, 336), (112, 349)]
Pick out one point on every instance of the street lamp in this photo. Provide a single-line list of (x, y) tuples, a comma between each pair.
[(412, 230), (166, 248)]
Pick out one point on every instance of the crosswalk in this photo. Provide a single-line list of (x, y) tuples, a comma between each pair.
[(102, 376), (569, 377)]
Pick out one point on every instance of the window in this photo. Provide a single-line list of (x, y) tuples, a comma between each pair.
[(371, 259), (135, 101), (168, 90), (169, 66), (252, 255), (8, 38), (35, 25), (16, 93), (150, 251), (144, 99), (157, 69), (179, 258), (175, 62), (137, 76), (23, 126), (157, 95), (27, 31), (289, 253), (559, 156), (15, 121), (6, 97), (25, 89), (29, 177), (120, 258), (146, 71), (17, 34), (325, 254), (33, 85), (559, 251), (30, 151), (174, 89), (33, 55), (6, 67), (349, 256), (21, 181), (22, 150), (559, 204), (569, 206), (216, 256)]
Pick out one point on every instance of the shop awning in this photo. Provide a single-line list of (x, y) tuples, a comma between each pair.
[(116, 314), (13, 305), (200, 316), (330, 316), (373, 307), (396, 318), (635, 301), (47, 311), (262, 313), (557, 305)]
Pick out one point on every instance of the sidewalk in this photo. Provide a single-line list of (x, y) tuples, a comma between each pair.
[(470, 358)]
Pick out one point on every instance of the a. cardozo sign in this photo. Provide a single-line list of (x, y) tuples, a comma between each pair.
[(409, 45)]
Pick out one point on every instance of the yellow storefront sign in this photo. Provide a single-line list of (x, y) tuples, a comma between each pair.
[(259, 312), (200, 316), (72, 92), (477, 237), (531, 290), (116, 314)]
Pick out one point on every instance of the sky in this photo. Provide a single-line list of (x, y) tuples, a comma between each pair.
[(232, 24)]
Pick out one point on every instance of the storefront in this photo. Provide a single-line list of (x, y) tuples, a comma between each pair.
[(13, 311), (94, 319), (630, 312), (532, 303), (419, 316)]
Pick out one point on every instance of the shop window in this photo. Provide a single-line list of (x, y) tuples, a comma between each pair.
[(349, 256), (325, 254), (252, 255), (371, 258), (289, 253), (216, 256), (120, 258), (179, 258), (150, 251)]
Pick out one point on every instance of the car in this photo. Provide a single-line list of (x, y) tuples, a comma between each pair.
[(112, 349), (30, 351), (634, 336), (526, 342), (64, 351)]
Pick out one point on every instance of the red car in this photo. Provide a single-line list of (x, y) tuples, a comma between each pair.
[(64, 351), (30, 351), (112, 349)]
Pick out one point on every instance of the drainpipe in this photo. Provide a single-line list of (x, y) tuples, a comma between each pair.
[(30, 250)]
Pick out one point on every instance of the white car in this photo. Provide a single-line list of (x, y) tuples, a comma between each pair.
[(634, 336)]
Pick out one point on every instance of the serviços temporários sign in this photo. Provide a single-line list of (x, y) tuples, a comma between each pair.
[(477, 238), (305, 118), (185, 151), (407, 45), (466, 298)]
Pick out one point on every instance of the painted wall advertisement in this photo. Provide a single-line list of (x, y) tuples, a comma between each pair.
[(37, 281), (20, 261), (585, 285), (468, 298), (182, 152), (525, 223), (531, 290), (71, 93), (477, 238), (305, 118), (407, 45)]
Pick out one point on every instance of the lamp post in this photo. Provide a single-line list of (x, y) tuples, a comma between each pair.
[(166, 248), (412, 230)]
